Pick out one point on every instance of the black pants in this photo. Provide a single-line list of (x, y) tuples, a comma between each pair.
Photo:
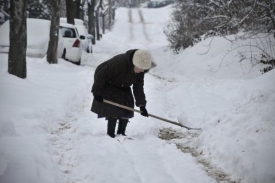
[(122, 124)]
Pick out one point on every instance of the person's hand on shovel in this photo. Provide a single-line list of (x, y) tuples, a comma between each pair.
[(98, 98), (143, 111)]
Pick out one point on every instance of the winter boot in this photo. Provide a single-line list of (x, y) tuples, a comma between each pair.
[(111, 127), (122, 126)]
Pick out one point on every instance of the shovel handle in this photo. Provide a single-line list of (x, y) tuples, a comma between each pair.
[(151, 115)]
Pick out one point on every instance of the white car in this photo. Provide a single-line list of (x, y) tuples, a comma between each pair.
[(38, 35), (83, 34), (72, 44)]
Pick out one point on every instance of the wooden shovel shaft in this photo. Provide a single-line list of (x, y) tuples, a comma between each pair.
[(151, 115)]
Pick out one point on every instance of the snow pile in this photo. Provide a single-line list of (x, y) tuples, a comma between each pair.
[(38, 32), (234, 107), (241, 138)]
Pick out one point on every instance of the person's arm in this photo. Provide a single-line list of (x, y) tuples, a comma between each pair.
[(140, 96), (139, 91)]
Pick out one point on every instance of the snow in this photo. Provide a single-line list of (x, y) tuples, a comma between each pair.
[(48, 134)]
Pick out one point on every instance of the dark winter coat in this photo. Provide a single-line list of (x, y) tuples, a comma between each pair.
[(113, 80)]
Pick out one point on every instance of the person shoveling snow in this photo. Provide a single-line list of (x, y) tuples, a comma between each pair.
[(113, 80)]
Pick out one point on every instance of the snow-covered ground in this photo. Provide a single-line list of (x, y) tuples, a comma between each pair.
[(49, 135)]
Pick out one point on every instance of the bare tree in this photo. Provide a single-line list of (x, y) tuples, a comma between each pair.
[(53, 43), (63, 8), (70, 9), (99, 6), (104, 13), (114, 6), (110, 14), (91, 23), (79, 10), (18, 39)]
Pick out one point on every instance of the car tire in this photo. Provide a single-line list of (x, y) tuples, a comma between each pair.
[(64, 54), (87, 50), (79, 62)]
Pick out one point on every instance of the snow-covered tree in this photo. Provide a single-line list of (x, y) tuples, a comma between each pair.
[(193, 18), (38, 9)]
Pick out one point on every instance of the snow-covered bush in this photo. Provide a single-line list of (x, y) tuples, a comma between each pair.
[(194, 20)]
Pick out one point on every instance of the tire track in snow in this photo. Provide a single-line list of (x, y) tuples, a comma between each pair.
[(143, 25), (170, 134), (131, 25), (62, 149)]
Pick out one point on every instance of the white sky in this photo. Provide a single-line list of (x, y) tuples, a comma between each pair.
[(49, 135)]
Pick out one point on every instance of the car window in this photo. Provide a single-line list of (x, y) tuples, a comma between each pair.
[(81, 29), (68, 32)]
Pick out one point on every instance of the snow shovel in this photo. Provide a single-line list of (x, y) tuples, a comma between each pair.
[(151, 115)]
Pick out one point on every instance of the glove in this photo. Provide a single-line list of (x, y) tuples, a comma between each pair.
[(143, 111), (98, 98)]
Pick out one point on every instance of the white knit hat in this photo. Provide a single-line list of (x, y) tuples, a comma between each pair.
[(142, 59)]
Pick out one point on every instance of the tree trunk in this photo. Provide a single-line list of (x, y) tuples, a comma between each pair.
[(70, 9), (18, 39), (82, 12), (78, 9), (53, 42), (110, 14), (97, 20), (114, 14), (114, 5), (97, 26), (103, 23), (91, 12), (63, 12)]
